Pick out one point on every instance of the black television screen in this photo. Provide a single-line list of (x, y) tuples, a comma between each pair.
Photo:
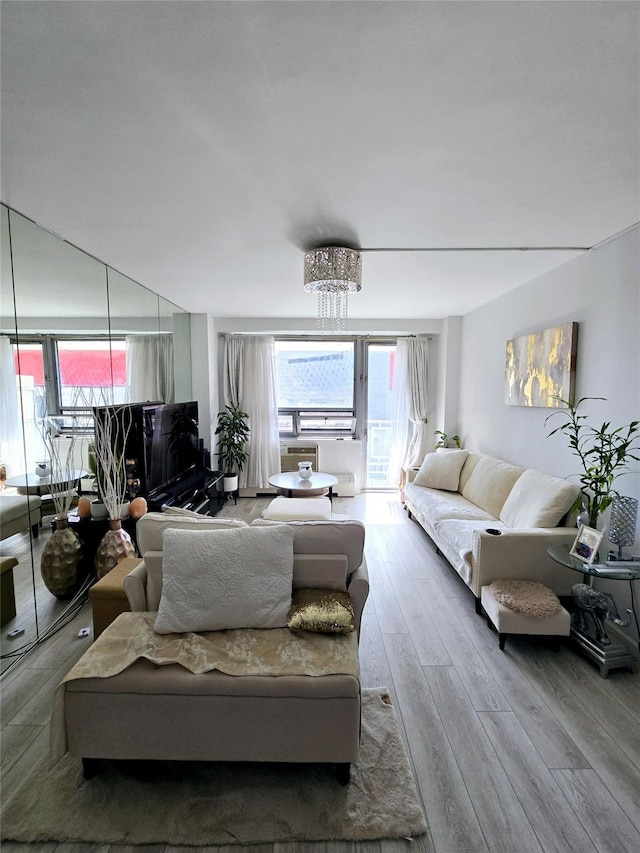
[(172, 444), (162, 441)]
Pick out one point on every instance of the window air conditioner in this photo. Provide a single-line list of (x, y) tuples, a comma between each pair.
[(291, 454)]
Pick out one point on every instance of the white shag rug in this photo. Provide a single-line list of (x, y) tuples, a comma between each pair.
[(527, 597), (198, 804)]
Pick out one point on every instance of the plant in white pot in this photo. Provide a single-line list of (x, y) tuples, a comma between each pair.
[(604, 453), (233, 433)]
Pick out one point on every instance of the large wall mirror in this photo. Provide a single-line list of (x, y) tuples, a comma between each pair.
[(74, 333)]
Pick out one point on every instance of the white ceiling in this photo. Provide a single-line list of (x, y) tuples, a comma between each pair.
[(199, 146)]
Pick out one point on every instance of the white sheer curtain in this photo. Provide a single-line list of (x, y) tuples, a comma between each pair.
[(150, 368), (250, 382), (11, 451), (410, 403)]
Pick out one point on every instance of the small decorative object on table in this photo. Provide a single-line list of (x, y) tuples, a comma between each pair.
[(43, 469), (305, 470), (622, 525), (586, 543)]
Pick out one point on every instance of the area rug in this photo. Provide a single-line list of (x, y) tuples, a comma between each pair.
[(198, 803)]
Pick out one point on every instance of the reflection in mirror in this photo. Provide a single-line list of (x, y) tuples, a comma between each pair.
[(176, 320), (69, 326)]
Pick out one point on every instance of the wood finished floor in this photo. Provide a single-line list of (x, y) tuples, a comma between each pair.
[(515, 751)]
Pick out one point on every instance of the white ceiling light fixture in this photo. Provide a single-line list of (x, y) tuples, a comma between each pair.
[(333, 272)]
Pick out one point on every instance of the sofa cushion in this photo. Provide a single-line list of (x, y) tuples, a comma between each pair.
[(151, 526), (322, 611), (490, 483), (538, 500), (219, 579), (437, 505), (325, 537), (298, 509), (441, 470)]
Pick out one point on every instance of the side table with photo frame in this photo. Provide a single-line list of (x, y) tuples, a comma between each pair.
[(588, 634)]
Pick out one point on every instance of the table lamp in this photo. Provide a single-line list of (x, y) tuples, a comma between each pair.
[(622, 524)]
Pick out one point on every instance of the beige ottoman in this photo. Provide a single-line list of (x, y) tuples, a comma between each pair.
[(108, 598), (507, 620)]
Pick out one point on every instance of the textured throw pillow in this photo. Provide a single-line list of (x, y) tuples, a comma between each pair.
[(323, 611), (441, 470), (219, 579), (298, 509), (538, 500)]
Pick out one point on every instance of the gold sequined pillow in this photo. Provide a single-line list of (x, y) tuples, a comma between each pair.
[(323, 611)]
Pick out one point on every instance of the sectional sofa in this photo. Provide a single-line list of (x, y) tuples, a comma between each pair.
[(493, 520)]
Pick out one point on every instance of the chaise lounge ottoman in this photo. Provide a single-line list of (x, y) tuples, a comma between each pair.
[(156, 709)]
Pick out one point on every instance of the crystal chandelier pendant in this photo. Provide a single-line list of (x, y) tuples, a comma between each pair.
[(333, 272)]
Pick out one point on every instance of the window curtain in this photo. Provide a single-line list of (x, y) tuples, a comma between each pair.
[(11, 450), (250, 382), (409, 440), (150, 368)]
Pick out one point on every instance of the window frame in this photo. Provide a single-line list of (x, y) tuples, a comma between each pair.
[(359, 409), (55, 408)]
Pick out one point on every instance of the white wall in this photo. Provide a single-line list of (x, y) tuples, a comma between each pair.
[(601, 291)]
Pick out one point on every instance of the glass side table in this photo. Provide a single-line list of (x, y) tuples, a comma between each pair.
[(592, 607)]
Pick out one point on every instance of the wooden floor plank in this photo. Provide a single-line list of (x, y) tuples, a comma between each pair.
[(499, 811), (556, 825), (601, 816), (450, 815)]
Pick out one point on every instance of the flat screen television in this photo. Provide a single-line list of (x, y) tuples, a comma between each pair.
[(162, 442), (172, 444)]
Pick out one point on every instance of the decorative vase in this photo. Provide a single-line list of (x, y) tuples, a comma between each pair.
[(305, 470), (60, 559), (99, 510), (114, 546), (43, 469)]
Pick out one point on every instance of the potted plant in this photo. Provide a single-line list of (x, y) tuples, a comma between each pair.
[(233, 432), (446, 442), (604, 454)]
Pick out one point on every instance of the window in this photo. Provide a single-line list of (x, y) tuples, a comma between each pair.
[(316, 381), (64, 378)]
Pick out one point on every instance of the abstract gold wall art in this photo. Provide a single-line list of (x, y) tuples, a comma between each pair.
[(542, 367)]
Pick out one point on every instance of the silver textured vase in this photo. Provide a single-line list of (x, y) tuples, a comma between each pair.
[(60, 559), (114, 546)]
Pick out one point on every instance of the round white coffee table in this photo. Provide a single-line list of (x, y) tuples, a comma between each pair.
[(292, 486), (31, 484)]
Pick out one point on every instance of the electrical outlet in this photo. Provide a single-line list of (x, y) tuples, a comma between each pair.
[(84, 632), (17, 632)]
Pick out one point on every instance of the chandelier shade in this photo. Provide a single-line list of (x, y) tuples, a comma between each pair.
[(333, 272)]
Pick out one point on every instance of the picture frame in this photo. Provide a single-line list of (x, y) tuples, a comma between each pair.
[(585, 545)]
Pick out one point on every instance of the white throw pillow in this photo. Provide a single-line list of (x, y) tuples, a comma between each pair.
[(214, 580), (490, 483), (441, 470), (151, 527), (298, 509), (538, 500)]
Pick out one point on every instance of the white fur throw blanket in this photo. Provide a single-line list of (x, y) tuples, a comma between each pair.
[(526, 597)]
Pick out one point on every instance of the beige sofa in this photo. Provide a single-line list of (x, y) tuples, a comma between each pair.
[(18, 513), (493, 520), (166, 712)]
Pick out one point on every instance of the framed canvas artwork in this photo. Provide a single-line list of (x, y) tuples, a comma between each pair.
[(540, 368)]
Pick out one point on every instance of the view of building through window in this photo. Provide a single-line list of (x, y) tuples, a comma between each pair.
[(62, 379), (316, 382)]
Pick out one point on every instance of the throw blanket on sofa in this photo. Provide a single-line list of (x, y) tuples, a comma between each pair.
[(244, 651)]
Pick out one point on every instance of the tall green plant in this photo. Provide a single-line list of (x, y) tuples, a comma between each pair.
[(604, 454), (233, 431)]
